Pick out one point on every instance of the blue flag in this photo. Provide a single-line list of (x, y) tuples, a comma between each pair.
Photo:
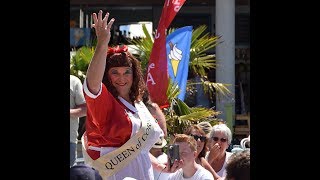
[(178, 54)]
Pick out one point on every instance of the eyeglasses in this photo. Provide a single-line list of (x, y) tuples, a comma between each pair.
[(221, 139), (196, 137)]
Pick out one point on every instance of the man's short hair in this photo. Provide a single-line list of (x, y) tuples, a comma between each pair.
[(238, 166)]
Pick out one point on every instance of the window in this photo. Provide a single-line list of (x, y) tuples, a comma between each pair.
[(134, 30)]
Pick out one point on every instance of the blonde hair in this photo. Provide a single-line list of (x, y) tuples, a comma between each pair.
[(205, 126)]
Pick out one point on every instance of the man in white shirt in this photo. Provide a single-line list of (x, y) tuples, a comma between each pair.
[(190, 169), (77, 109)]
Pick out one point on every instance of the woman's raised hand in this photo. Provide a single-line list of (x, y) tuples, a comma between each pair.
[(102, 27)]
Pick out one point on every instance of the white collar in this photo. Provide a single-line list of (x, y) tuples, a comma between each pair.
[(128, 105)]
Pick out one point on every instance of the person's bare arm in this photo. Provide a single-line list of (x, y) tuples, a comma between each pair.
[(207, 166), (161, 118), (78, 111), (155, 163), (96, 67)]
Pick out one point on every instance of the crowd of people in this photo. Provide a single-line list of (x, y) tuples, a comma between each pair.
[(125, 132)]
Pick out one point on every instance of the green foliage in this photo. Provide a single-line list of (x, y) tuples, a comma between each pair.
[(200, 61), (201, 43), (172, 91), (211, 87), (80, 61), (144, 47), (179, 115)]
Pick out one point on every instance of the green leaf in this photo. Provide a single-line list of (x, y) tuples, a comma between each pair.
[(80, 61)]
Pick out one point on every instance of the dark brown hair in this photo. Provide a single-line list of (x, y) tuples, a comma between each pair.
[(238, 166), (125, 59), (147, 101)]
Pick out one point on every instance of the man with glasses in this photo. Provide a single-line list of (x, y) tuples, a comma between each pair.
[(220, 139)]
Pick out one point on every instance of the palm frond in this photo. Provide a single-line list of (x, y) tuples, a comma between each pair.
[(172, 91), (199, 113), (220, 89), (175, 125), (213, 89), (201, 43), (80, 61), (171, 30), (202, 64), (178, 124), (181, 108), (144, 47)]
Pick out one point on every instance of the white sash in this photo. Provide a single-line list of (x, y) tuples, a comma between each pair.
[(112, 162)]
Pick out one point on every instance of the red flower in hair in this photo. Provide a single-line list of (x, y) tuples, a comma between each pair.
[(117, 49)]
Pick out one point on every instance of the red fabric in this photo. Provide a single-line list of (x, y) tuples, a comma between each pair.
[(117, 49), (107, 123), (93, 154), (157, 75)]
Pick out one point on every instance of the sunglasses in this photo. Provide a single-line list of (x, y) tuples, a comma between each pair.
[(196, 137), (221, 139)]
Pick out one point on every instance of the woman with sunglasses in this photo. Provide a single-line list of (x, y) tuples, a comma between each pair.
[(200, 136), (217, 157)]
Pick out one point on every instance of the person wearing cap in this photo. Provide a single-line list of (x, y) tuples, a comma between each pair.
[(120, 130), (157, 151), (84, 172)]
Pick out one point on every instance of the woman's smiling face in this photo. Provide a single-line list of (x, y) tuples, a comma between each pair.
[(121, 78)]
